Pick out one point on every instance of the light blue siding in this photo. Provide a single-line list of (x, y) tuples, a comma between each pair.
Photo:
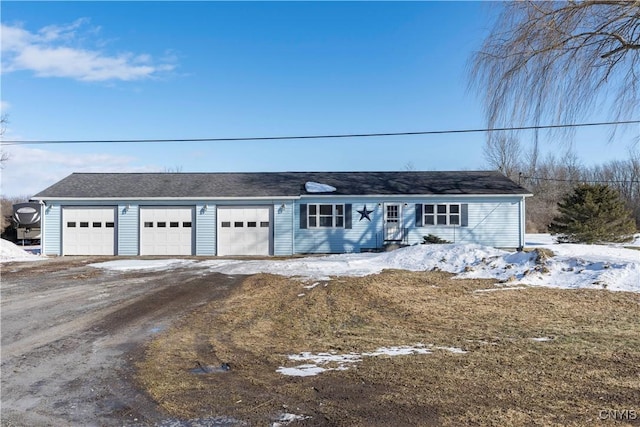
[(128, 229), (364, 234), (205, 229), (283, 229), (492, 221), (52, 230)]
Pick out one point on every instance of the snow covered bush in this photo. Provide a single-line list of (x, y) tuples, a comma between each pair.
[(433, 239)]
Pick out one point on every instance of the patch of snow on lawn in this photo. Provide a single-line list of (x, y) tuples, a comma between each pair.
[(285, 419), (11, 252), (542, 339), (322, 362)]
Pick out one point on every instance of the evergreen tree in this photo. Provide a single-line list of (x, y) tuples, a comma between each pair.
[(593, 214)]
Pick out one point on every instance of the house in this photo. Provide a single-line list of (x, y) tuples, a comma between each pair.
[(276, 213)]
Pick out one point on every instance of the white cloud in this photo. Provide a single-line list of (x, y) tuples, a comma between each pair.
[(31, 170), (54, 51), (4, 106)]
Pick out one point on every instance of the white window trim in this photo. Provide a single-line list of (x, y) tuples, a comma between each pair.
[(334, 215), (435, 214)]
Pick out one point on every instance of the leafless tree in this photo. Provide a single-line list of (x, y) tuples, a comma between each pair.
[(558, 61), (172, 169), (409, 166), (502, 152)]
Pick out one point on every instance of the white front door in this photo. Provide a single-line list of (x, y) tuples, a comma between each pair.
[(244, 230), (393, 221)]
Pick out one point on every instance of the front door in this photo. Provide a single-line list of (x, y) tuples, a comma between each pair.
[(393, 221)]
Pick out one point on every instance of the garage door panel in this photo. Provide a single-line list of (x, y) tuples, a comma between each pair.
[(89, 231), (244, 230), (166, 231)]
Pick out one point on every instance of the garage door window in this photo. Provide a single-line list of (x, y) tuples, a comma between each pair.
[(238, 224), (109, 224), (174, 224), (71, 224), (264, 224), (148, 225), (97, 224), (186, 225), (84, 225)]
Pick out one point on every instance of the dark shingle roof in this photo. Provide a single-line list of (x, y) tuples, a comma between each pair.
[(274, 184)]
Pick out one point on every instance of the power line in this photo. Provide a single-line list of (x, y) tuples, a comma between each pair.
[(300, 137)]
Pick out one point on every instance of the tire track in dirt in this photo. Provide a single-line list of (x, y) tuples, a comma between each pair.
[(67, 359)]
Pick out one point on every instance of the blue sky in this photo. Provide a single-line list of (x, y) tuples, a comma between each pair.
[(144, 70)]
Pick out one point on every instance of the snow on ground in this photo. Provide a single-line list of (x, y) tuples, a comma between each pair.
[(321, 362), (11, 252), (142, 264), (571, 266)]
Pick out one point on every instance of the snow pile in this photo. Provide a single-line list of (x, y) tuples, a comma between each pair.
[(316, 187), (570, 266), (11, 252)]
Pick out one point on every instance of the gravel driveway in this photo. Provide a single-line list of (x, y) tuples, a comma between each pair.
[(70, 333)]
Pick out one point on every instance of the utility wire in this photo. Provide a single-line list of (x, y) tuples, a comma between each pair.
[(281, 138)]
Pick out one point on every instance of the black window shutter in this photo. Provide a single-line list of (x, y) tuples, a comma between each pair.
[(347, 216), (418, 214), (303, 216), (464, 210)]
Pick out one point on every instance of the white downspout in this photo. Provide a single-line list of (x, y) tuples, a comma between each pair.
[(293, 227), (43, 209), (523, 222)]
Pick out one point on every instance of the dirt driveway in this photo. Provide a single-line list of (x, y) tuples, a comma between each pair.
[(69, 332)]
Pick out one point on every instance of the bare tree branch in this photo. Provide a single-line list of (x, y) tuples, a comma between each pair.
[(558, 61)]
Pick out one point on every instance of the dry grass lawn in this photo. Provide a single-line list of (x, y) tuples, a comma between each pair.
[(592, 362)]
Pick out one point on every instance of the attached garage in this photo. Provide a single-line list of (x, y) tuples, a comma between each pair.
[(166, 230), (245, 230), (88, 231)]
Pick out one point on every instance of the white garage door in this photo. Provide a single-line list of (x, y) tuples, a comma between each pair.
[(244, 230), (166, 231), (89, 231)]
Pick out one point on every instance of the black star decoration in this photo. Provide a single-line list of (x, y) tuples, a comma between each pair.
[(364, 213)]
